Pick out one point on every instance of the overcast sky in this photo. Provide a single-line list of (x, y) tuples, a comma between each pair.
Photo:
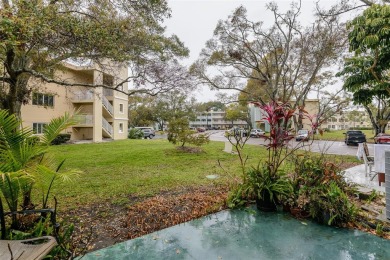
[(195, 20)]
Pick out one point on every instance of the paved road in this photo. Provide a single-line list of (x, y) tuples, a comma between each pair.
[(328, 147)]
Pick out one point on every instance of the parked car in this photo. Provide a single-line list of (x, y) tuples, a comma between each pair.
[(238, 131), (382, 138), (302, 135), (201, 129), (354, 137), (148, 131), (256, 133)]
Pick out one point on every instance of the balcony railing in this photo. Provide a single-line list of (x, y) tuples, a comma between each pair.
[(83, 95), (108, 92), (84, 119), (106, 126)]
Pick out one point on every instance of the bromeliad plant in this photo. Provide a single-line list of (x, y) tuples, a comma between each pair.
[(24, 162)]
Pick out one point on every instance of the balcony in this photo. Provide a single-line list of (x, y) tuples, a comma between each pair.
[(83, 97), (84, 120), (108, 92)]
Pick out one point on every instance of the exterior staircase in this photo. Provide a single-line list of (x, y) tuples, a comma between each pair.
[(107, 128), (107, 105)]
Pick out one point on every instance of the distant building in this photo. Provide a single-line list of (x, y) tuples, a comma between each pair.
[(348, 120), (102, 112), (215, 119), (258, 115)]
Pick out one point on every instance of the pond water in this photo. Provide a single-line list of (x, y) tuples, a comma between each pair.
[(249, 234)]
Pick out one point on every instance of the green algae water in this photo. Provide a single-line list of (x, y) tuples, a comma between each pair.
[(249, 234)]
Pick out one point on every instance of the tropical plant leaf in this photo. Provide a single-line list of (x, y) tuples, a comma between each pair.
[(56, 126)]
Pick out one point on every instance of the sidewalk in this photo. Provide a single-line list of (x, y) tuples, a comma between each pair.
[(357, 175)]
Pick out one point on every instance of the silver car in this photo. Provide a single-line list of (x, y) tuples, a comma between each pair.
[(256, 133), (148, 132), (302, 135)]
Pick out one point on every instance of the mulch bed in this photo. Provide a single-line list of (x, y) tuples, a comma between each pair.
[(109, 224), (164, 211)]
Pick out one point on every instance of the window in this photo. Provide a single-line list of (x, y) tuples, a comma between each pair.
[(38, 128), (120, 127), (40, 99)]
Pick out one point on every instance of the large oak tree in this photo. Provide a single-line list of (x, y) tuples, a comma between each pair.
[(38, 36)]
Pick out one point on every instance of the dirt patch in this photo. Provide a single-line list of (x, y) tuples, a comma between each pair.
[(189, 149)]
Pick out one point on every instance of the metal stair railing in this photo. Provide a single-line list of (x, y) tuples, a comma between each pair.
[(107, 105), (107, 127)]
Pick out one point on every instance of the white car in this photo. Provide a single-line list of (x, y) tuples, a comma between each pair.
[(302, 135), (256, 133)]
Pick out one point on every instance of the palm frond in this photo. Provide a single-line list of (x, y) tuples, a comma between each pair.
[(56, 126), (46, 177), (11, 184)]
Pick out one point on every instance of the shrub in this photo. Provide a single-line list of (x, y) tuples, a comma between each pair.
[(320, 188), (330, 205), (135, 133), (259, 182), (34, 139), (61, 139), (180, 133)]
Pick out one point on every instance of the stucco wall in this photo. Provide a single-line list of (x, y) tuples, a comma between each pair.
[(63, 96)]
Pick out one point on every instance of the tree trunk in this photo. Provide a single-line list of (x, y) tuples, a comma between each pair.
[(15, 89), (18, 94)]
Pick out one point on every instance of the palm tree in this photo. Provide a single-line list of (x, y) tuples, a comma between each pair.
[(24, 161)]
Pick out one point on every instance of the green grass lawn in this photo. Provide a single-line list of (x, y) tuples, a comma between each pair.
[(337, 135), (120, 170)]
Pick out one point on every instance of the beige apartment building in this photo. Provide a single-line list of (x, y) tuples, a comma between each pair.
[(348, 120), (101, 113), (215, 119), (258, 115)]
